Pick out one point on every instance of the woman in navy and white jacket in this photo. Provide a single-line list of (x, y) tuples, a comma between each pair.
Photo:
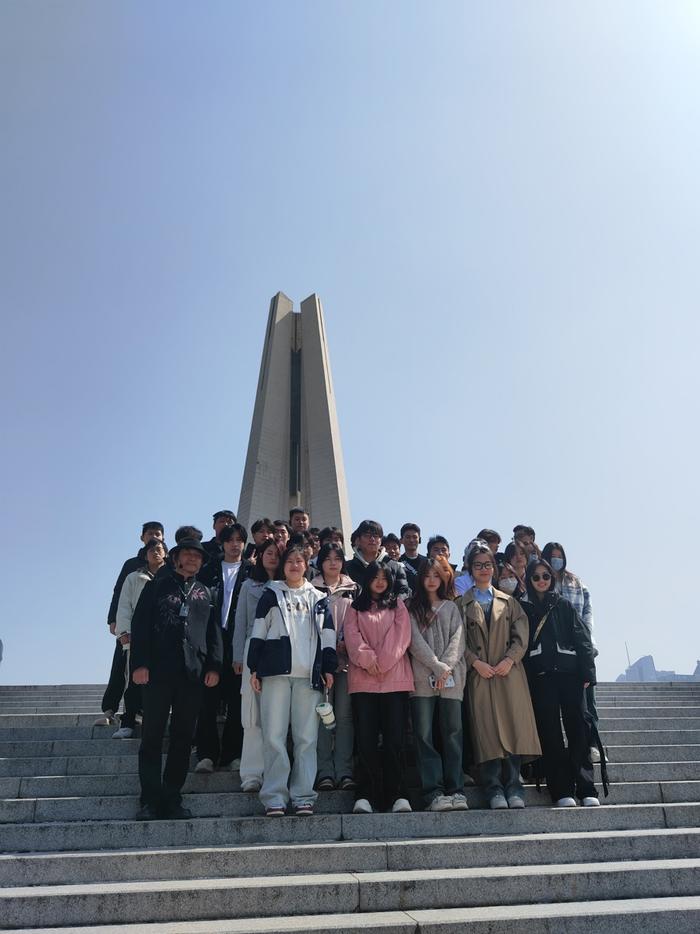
[(291, 658)]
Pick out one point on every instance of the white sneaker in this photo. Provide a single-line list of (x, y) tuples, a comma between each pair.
[(204, 765), (591, 802), (124, 732), (236, 765), (251, 785), (107, 719), (439, 803), (595, 754), (362, 806), (498, 803), (565, 803), (459, 802), (401, 806)]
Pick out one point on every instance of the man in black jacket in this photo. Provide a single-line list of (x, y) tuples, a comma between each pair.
[(368, 537), (115, 685), (175, 650), (222, 519), (224, 579)]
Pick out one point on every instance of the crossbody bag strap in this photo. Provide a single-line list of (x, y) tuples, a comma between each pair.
[(540, 625)]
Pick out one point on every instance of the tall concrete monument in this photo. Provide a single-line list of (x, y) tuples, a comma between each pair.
[(294, 455)]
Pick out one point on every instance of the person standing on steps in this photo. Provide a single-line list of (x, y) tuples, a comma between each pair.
[(115, 686), (266, 559), (439, 673), (575, 591), (503, 728), (368, 549), (213, 548), (225, 579), (377, 637), (291, 658), (560, 666), (334, 749), (155, 555), (176, 652)]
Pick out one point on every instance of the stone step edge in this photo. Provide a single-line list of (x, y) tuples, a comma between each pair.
[(413, 921), (483, 839), (133, 798), (606, 804), (305, 881)]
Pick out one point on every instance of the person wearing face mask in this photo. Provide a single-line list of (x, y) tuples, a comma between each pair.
[(559, 664), (511, 573), (575, 591)]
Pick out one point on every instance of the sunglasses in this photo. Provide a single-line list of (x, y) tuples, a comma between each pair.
[(541, 577)]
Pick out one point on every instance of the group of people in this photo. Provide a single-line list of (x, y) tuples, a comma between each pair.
[(483, 662)]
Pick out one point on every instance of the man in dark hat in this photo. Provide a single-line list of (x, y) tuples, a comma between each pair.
[(176, 652), (222, 519)]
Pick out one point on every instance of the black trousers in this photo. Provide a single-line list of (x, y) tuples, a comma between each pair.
[(183, 697), (115, 687), (132, 700), (380, 777), (228, 694), (569, 771)]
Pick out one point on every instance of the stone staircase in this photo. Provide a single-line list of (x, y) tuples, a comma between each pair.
[(72, 857)]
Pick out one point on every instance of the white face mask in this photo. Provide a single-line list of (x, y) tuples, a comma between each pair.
[(508, 584), (557, 564)]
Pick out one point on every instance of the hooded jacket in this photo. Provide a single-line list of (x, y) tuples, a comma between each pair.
[(340, 599), (270, 649), (357, 569), (381, 635)]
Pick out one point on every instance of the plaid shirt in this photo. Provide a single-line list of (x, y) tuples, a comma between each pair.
[(576, 592)]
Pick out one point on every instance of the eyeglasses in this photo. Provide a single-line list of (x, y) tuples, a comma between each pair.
[(372, 535), (482, 566), (543, 577)]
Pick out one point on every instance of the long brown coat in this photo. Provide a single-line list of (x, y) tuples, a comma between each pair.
[(500, 709)]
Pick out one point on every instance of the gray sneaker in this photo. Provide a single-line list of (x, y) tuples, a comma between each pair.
[(204, 765), (459, 802), (515, 802), (440, 803), (498, 803)]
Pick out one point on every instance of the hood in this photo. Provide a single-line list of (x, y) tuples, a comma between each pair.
[(380, 557), (280, 587), (345, 585)]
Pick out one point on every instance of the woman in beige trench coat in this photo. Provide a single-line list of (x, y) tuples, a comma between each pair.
[(502, 720)]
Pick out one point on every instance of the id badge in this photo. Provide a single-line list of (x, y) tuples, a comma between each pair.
[(184, 611)]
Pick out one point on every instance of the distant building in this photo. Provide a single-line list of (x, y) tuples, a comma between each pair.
[(644, 669)]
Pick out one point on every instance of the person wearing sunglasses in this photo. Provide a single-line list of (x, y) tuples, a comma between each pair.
[(503, 728), (559, 665)]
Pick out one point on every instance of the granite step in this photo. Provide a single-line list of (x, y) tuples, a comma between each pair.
[(240, 804), (59, 836), (462, 852), (647, 753), (671, 915), (331, 893)]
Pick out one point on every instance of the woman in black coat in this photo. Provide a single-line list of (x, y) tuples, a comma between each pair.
[(559, 665)]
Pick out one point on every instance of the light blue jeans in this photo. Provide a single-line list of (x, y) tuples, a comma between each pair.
[(286, 700)]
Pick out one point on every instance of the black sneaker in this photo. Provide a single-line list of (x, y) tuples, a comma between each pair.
[(146, 812), (178, 812)]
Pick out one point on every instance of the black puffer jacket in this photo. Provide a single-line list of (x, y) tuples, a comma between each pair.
[(563, 644)]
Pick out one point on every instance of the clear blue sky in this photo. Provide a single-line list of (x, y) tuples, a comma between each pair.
[(498, 204)]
